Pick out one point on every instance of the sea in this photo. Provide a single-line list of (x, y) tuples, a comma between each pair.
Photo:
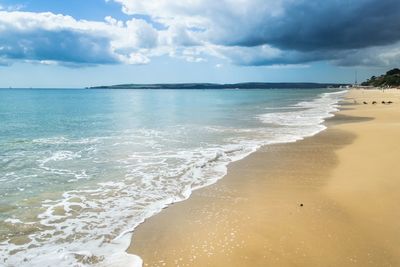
[(80, 169)]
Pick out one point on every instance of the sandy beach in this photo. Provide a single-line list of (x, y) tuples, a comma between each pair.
[(328, 200)]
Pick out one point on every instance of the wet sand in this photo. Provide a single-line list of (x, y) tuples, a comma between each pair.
[(328, 200)]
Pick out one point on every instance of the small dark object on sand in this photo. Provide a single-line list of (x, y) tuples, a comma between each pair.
[(374, 102), (390, 102), (365, 103), (383, 102), (301, 205)]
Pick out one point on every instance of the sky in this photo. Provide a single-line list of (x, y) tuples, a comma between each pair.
[(79, 43)]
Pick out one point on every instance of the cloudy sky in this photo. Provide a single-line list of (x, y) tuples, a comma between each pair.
[(76, 43)]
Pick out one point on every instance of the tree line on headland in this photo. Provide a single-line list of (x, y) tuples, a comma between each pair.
[(390, 79), (251, 85)]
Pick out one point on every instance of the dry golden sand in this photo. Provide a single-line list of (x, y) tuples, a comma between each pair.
[(347, 178)]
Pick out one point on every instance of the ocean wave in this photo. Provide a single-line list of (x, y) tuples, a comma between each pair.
[(312, 113)]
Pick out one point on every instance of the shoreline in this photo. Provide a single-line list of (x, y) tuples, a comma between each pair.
[(277, 207)]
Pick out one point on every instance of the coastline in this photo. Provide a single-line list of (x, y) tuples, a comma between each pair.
[(254, 217)]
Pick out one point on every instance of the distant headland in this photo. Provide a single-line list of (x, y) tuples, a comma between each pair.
[(250, 85), (390, 79)]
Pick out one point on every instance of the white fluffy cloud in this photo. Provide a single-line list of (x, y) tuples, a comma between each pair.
[(223, 21), (47, 37)]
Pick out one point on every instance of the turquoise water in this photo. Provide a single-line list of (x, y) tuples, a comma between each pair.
[(80, 169)]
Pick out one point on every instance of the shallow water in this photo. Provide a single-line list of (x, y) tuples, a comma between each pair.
[(79, 169)]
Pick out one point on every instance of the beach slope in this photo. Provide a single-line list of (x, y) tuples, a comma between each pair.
[(328, 200)]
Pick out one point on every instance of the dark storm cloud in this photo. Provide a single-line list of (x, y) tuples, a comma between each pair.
[(329, 25)]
